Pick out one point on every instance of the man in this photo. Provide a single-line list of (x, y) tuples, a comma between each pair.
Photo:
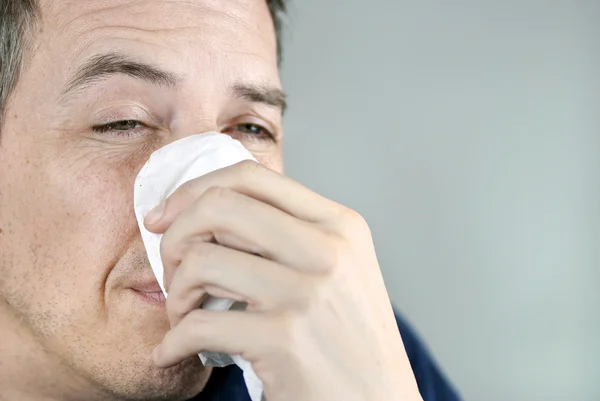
[(88, 89)]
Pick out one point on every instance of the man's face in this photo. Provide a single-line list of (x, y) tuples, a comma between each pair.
[(71, 257)]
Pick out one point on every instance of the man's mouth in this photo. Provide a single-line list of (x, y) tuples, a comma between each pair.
[(150, 292)]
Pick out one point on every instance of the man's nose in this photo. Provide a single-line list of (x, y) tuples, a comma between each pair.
[(191, 126)]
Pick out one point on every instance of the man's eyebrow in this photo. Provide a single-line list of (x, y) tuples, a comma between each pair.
[(104, 65), (271, 96)]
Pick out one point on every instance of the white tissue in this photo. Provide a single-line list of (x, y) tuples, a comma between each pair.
[(163, 173)]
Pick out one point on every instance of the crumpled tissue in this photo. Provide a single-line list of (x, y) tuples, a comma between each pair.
[(168, 168)]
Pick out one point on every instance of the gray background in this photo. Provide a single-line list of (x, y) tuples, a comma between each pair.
[(466, 132)]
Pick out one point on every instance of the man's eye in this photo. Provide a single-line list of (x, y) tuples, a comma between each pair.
[(251, 130), (117, 126)]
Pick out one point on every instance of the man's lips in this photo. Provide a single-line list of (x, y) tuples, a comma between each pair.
[(147, 286), (150, 291)]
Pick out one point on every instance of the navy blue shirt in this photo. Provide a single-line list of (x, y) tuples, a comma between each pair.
[(227, 384)]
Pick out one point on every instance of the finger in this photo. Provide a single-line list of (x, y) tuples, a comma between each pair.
[(230, 332), (253, 180), (238, 221), (224, 272)]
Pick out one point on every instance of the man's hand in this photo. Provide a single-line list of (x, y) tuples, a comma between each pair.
[(319, 324)]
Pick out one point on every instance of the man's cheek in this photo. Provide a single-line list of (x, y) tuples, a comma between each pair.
[(100, 173), (80, 220), (102, 207)]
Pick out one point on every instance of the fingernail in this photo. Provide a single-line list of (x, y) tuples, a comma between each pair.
[(156, 214)]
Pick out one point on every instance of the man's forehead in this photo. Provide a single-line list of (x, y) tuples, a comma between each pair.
[(70, 8), (157, 15), (174, 33)]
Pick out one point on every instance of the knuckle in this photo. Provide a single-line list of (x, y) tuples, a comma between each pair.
[(353, 221), (334, 252), (213, 203), (215, 199), (248, 166), (187, 190), (194, 319), (191, 323), (198, 262), (214, 194), (248, 170)]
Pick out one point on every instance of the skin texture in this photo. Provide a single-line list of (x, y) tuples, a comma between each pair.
[(72, 328), (70, 245)]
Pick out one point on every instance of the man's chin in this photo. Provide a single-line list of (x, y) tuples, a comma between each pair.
[(177, 383)]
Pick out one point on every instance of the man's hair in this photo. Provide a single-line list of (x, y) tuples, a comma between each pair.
[(17, 18), (277, 9)]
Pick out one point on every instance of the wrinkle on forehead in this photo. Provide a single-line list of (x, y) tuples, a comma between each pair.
[(234, 26), (174, 14)]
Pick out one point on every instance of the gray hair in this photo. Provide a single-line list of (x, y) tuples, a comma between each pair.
[(17, 18)]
